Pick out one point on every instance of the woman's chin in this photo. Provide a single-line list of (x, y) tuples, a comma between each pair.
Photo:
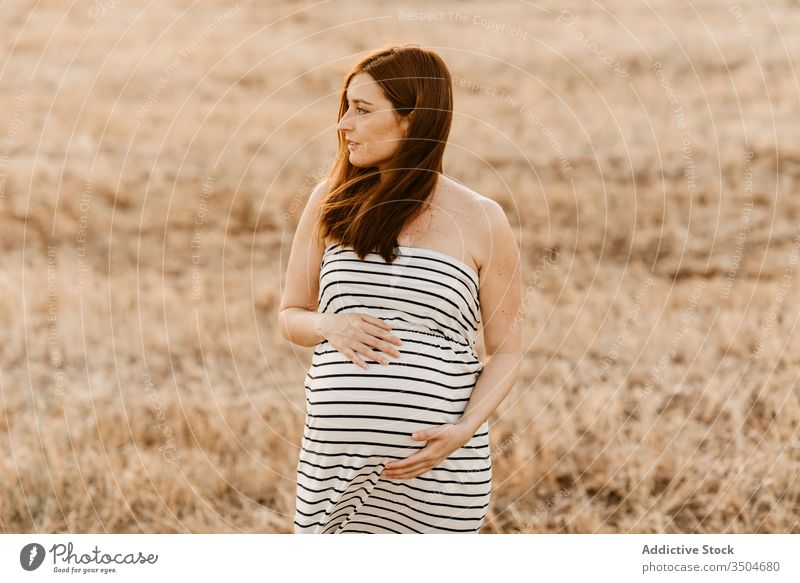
[(359, 163)]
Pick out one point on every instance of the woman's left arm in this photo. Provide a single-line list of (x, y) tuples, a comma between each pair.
[(501, 305), (501, 311)]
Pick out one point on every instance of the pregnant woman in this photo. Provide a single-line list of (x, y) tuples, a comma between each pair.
[(392, 268)]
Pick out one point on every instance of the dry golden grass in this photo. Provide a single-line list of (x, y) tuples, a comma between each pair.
[(153, 164)]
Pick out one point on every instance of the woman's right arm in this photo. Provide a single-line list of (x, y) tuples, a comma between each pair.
[(298, 318), (354, 335)]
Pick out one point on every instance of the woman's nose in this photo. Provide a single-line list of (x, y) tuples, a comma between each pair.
[(344, 123)]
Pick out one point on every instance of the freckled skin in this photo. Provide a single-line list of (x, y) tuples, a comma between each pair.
[(376, 126)]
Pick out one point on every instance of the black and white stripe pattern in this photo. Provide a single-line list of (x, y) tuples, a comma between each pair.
[(358, 420)]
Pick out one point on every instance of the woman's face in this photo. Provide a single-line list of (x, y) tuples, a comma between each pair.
[(372, 127)]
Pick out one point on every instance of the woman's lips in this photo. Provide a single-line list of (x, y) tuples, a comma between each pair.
[(351, 145)]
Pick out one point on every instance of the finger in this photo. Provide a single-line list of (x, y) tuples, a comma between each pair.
[(365, 350), (412, 460), (387, 337), (384, 347), (429, 462), (350, 354), (410, 473), (430, 433), (379, 338), (376, 321), (390, 349)]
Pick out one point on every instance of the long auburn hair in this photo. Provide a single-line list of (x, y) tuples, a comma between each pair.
[(361, 212)]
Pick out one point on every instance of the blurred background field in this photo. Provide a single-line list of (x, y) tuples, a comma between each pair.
[(154, 160)]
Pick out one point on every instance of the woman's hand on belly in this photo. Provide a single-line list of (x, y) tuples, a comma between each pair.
[(354, 333), (442, 440)]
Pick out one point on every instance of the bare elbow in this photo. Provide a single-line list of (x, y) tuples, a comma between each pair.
[(511, 346), (511, 356)]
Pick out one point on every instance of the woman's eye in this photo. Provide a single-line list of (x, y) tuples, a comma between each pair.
[(361, 109)]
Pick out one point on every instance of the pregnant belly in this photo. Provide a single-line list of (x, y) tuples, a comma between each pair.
[(429, 384)]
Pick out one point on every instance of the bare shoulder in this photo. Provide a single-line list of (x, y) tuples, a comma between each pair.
[(466, 204), (319, 191), (483, 218), (318, 194)]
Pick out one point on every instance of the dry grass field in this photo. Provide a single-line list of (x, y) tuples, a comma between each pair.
[(154, 160)]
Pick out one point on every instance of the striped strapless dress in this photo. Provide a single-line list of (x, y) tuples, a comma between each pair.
[(358, 420)]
